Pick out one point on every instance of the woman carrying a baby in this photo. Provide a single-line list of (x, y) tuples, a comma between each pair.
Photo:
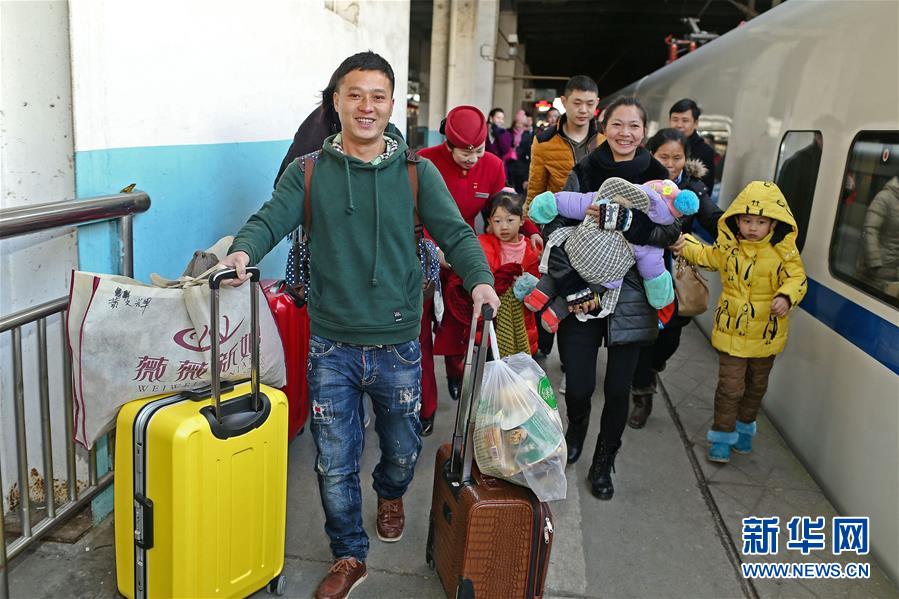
[(633, 323)]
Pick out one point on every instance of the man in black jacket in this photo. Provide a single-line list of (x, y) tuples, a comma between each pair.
[(684, 116)]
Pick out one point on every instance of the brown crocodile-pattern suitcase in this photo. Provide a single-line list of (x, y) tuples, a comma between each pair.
[(487, 538)]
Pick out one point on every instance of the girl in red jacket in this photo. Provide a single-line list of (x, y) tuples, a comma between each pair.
[(514, 264)]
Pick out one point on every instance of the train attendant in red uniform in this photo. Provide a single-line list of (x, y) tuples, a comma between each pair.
[(472, 178)]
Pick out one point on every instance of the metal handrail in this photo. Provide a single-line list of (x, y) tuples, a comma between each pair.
[(40, 217), (32, 314), (31, 219)]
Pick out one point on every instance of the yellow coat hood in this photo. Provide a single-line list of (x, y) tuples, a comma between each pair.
[(762, 198)]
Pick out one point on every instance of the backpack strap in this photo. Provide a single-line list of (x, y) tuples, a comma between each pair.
[(308, 165), (412, 160), (412, 168)]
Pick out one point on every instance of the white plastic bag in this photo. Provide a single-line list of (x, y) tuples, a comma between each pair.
[(527, 368), (517, 436)]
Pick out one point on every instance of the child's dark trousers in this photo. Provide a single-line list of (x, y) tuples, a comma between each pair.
[(742, 383)]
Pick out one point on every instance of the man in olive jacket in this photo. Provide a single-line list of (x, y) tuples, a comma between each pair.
[(365, 302), (558, 148)]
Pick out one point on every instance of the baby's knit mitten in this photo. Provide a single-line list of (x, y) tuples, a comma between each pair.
[(614, 217), (524, 285), (543, 208)]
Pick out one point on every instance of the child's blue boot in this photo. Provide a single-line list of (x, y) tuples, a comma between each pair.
[(721, 442), (745, 431)]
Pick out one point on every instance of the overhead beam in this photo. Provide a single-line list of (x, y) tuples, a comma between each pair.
[(746, 9)]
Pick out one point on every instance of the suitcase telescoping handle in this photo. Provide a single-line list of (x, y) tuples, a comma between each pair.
[(472, 378), (215, 282)]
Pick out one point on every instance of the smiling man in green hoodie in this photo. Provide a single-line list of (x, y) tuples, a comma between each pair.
[(365, 301)]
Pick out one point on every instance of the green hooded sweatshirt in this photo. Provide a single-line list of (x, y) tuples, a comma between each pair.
[(366, 277)]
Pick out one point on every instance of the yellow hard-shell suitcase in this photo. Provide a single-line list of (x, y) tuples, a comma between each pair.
[(201, 486)]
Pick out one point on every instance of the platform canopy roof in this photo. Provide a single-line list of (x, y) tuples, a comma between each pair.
[(615, 41)]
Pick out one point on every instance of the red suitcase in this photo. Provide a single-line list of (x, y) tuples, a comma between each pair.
[(293, 325), (487, 538)]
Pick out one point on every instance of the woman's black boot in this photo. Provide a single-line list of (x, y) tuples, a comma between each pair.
[(600, 475), (641, 410), (574, 438)]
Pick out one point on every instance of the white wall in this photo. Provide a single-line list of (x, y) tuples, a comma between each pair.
[(182, 73)]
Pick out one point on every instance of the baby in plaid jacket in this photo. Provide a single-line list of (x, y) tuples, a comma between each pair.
[(589, 262)]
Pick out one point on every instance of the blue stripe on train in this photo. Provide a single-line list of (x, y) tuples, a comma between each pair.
[(874, 335)]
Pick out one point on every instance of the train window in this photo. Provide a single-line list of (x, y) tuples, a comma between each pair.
[(864, 250), (715, 130), (797, 173)]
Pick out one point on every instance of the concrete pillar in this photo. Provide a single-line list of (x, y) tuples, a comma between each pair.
[(36, 166), (470, 68), (506, 65), (440, 30), (463, 46), (518, 85)]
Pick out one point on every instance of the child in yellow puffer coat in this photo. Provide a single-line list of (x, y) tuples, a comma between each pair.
[(762, 279)]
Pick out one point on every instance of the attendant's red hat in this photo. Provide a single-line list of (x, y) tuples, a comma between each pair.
[(465, 127)]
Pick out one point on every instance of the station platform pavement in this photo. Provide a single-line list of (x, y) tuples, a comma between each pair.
[(673, 528)]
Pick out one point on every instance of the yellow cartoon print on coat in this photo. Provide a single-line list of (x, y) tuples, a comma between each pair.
[(753, 273)]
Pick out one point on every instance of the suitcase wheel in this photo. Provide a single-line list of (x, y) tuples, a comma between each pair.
[(465, 589), (276, 585)]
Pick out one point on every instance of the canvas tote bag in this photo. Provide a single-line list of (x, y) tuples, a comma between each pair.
[(131, 340)]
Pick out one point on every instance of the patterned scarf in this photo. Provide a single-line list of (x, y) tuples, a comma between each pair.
[(391, 146)]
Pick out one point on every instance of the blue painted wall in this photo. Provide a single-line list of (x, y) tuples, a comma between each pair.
[(198, 193)]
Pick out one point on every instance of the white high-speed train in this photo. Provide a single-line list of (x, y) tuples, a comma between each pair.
[(767, 90)]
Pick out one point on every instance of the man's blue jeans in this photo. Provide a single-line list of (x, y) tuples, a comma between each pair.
[(338, 375)]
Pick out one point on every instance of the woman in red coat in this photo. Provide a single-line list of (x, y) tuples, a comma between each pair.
[(472, 177)]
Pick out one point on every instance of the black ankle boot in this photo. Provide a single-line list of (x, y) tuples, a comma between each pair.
[(574, 438), (455, 387), (641, 411), (600, 475)]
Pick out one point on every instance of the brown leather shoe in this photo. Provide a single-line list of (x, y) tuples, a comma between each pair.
[(345, 575), (391, 519)]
